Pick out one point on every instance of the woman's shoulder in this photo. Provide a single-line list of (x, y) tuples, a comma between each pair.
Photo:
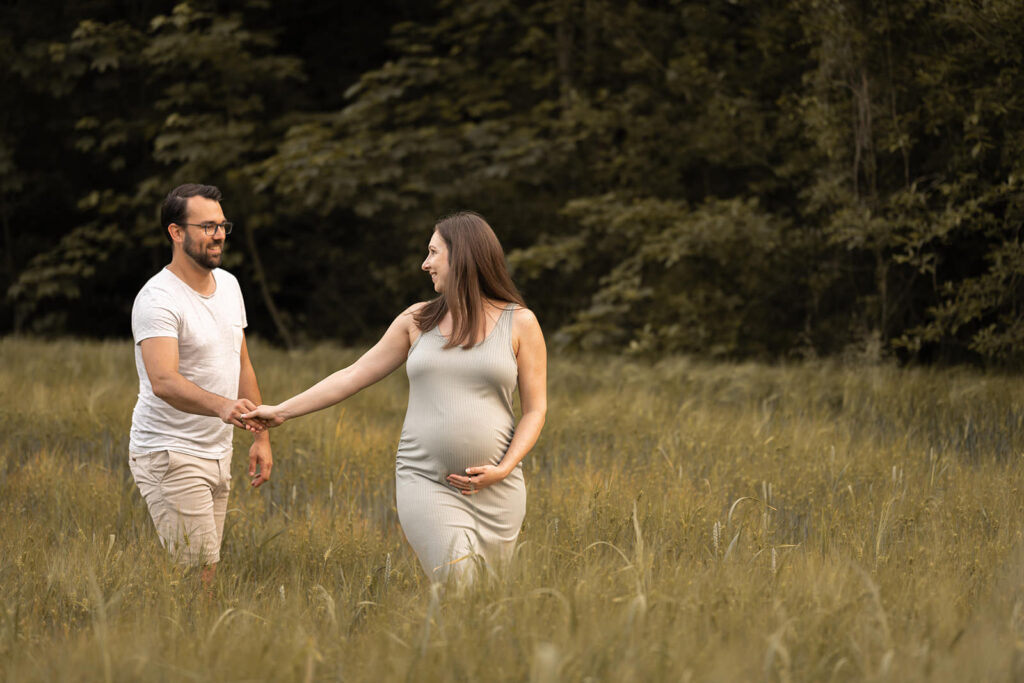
[(517, 309), (415, 308), (523, 317), (408, 316)]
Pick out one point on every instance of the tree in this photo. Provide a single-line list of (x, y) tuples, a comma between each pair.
[(732, 179), (153, 106)]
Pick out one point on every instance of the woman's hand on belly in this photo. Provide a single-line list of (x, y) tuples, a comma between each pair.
[(477, 478)]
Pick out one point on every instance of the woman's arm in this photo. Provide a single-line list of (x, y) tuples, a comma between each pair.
[(532, 360), (380, 361)]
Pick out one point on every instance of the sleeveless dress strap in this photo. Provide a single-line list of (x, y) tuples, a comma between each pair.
[(506, 322), (506, 317)]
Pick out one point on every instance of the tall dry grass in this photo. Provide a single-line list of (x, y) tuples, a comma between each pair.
[(686, 521)]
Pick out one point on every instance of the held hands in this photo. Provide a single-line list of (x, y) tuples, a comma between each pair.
[(476, 478), (231, 413), (265, 416)]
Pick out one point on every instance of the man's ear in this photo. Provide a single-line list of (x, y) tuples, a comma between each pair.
[(176, 232)]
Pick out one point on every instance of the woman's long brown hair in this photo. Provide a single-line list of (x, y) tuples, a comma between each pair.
[(476, 270)]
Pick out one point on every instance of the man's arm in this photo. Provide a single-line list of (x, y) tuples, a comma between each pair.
[(260, 458), (160, 356)]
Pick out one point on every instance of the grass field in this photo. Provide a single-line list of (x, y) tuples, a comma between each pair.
[(685, 521)]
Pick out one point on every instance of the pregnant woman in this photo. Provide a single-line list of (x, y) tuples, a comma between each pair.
[(459, 483)]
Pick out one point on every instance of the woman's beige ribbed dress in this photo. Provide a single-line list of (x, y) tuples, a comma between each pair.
[(460, 415)]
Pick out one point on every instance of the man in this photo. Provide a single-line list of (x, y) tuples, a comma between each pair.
[(195, 380)]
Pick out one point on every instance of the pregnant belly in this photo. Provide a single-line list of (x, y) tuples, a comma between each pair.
[(440, 452)]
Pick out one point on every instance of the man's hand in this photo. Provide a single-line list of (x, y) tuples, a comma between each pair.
[(260, 461), (231, 413), (265, 416)]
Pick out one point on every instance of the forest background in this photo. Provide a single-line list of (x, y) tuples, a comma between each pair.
[(736, 179)]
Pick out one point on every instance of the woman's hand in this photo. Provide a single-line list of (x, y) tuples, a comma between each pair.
[(477, 478), (269, 416)]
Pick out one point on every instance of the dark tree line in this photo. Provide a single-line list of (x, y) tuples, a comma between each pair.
[(721, 177)]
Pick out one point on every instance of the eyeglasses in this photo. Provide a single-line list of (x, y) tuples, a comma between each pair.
[(211, 228)]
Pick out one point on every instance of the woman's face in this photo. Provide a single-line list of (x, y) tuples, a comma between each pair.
[(436, 262)]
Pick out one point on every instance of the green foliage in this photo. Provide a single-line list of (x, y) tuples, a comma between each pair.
[(684, 279), (927, 188), (734, 179), (530, 111), (150, 106)]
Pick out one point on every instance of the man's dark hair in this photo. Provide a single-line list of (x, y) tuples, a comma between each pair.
[(175, 206)]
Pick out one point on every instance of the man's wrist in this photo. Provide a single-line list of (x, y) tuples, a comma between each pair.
[(224, 406), (261, 437)]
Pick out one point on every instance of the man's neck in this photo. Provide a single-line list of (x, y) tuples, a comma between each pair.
[(192, 274)]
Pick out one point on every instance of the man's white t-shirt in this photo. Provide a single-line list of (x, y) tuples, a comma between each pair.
[(209, 334)]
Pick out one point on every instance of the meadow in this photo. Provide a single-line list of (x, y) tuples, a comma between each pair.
[(686, 521)]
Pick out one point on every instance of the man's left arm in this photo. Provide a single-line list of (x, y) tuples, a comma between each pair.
[(260, 458)]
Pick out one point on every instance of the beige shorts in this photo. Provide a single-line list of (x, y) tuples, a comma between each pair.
[(187, 498)]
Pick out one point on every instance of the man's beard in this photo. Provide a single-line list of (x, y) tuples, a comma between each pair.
[(201, 257)]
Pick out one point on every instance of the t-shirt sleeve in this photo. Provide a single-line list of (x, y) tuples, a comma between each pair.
[(237, 288), (154, 316), (241, 306)]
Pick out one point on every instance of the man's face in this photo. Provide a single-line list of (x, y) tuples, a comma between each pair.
[(206, 250)]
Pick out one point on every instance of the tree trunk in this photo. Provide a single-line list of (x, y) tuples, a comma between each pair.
[(564, 40), (882, 275), (590, 19), (863, 137), (8, 245), (5, 219), (268, 300)]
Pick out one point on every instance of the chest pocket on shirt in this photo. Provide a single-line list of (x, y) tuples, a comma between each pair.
[(236, 338)]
